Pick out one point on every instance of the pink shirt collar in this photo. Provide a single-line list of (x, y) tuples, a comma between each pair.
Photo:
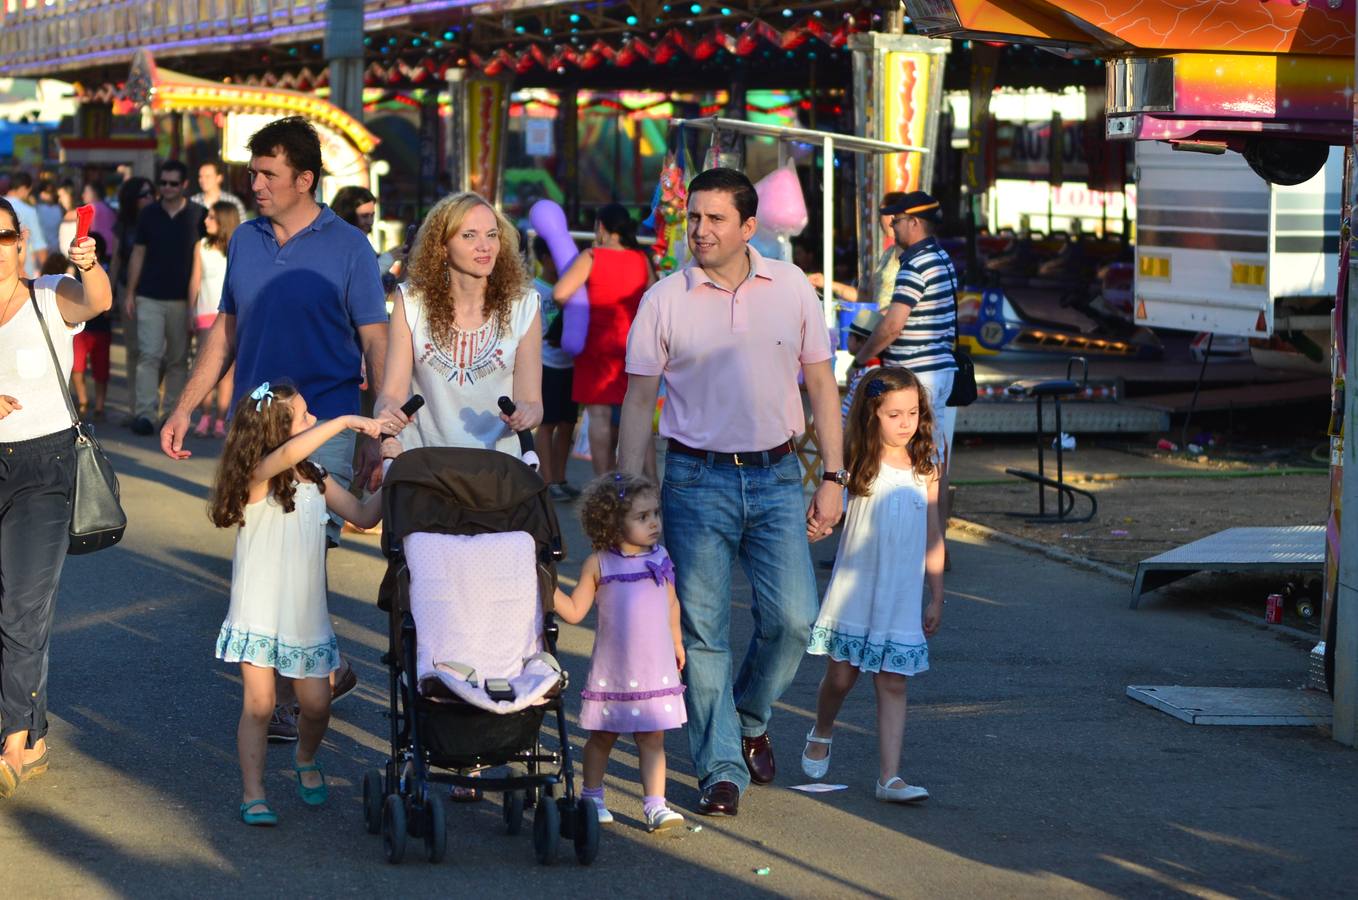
[(694, 274)]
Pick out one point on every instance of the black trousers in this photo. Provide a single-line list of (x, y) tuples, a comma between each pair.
[(36, 480)]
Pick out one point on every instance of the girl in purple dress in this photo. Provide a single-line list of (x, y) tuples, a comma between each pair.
[(633, 685)]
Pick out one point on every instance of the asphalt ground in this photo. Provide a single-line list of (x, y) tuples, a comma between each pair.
[(1046, 779)]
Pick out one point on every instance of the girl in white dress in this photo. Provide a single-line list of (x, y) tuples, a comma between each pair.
[(873, 618), (278, 620)]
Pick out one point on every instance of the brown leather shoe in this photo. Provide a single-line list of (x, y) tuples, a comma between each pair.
[(345, 681), (721, 798), (758, 753)]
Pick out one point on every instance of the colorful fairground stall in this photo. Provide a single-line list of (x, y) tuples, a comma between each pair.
[(184, 110), (1273, 82)]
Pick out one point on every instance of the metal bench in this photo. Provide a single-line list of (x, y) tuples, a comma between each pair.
[(1066, 495)]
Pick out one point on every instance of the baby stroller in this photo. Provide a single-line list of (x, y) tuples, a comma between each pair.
[(472, 542)]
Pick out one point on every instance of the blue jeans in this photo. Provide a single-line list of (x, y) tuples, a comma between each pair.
[(715, 514), (336, 456)]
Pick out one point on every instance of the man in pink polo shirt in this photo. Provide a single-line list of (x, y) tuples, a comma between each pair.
[(729, 333)]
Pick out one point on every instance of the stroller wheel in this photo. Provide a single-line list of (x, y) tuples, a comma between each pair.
[(586, 831), (394, 828), (546, 832), (435, 829), (372, 801), (513, 807)]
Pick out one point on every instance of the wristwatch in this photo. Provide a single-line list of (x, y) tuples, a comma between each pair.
[(840, 477)]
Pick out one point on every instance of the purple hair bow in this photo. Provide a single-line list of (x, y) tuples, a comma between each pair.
[(662, 572)]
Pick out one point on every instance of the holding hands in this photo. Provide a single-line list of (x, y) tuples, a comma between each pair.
[(827, 506), (8, 405)]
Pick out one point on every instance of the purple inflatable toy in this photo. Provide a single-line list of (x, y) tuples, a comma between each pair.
[(549, 221)]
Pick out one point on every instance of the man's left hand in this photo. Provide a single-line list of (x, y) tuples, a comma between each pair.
[(369, 465), (824, 512)]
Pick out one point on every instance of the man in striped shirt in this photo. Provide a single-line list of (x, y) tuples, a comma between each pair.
[(919, 329)]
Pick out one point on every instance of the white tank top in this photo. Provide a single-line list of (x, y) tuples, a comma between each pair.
[(462, 384), (213, 278), (26, 366)]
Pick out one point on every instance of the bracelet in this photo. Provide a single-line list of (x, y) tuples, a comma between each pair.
[(87, 268)]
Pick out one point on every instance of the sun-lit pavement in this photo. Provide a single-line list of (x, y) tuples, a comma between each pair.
[(1046, 780)]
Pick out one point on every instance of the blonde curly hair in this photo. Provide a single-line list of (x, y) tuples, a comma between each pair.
[(605, 503), (508, 281)]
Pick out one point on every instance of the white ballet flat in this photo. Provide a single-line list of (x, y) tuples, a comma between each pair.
[(816, 768), (901, 792)]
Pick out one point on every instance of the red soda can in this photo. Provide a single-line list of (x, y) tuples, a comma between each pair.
[(1273, 613)]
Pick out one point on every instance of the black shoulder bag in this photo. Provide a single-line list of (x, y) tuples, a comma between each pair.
[(964, 380), (97, 517)]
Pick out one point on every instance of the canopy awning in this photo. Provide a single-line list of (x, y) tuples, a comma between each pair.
[(165, 92)]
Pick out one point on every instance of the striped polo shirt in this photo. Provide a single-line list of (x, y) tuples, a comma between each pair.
[(927, 283)]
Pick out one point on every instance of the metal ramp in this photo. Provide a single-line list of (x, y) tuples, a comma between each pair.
[(1236, 706), (1287, 548)]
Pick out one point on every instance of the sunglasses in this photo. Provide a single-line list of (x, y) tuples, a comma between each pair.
[(164, 183), (8, 237)]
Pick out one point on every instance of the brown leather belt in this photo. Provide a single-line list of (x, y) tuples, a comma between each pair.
[(761, 458)]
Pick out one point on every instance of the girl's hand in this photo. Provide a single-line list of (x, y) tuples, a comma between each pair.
[(933, 615), (391, 448), (679, 657), (8, 405), (371, 427)]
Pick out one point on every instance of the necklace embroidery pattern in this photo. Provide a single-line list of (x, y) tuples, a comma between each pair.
[(473, 355)]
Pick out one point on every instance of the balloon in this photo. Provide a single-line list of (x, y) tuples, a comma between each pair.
[(782, 208), (549, 221)]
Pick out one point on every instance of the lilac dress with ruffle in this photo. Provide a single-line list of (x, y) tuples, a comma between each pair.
[(633, 677)]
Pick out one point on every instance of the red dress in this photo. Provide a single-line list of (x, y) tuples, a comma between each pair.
[(617, 279)]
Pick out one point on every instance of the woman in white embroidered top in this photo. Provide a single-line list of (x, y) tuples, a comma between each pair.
[(465, 331), (37, 474)]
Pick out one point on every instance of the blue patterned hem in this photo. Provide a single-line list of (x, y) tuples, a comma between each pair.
[(857, 651), (267, 651)]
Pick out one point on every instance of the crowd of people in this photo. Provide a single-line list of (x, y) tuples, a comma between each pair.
[(294, 321)]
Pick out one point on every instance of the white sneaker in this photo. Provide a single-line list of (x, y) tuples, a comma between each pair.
[(815, 769), (663, 819), (897, 791), (605, 817)]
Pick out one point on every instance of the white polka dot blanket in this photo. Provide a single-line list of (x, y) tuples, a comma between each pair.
[(478, 619)]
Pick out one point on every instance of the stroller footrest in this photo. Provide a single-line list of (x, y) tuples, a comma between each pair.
[(499, 689)]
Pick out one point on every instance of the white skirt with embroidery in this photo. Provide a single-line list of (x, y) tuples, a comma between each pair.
[(871, 616), (278, 618)]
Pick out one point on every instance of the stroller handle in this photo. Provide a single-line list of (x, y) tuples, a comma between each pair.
[(526, 450)]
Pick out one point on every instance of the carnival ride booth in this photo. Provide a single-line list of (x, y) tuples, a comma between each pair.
[(345, 143), (1273, 82)]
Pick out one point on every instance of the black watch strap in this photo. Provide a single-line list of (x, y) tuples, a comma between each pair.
[(839, 477)]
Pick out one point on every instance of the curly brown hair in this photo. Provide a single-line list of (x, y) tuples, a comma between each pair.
[(254, 435), (508, 281), (863, 436), (605, 503)]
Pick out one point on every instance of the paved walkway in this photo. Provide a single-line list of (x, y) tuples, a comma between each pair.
[(1046, 780)]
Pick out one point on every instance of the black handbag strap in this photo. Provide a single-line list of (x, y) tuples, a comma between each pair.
[(56, 363)]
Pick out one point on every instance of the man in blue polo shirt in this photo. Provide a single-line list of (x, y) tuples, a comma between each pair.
[(303, 301)]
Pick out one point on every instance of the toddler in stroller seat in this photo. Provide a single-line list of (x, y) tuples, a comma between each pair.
[(472, 543)]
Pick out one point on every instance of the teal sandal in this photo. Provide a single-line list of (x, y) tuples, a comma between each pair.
[(267, 817), (312, 796)]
